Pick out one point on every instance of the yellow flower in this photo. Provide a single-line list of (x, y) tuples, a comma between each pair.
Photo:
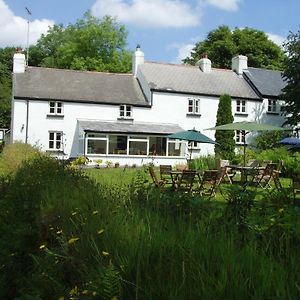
[(95, 212), (59, 232), (104, 253), (94, 294), (43, 246), (280, 210), (100, 231), (74, 213), (73, 240)]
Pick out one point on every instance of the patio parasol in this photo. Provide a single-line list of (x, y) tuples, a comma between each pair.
[(247, 127), (191, 135), (293, 141)]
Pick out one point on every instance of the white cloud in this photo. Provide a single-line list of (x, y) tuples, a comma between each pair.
[(151, 14), (230, 5), (183, 51), (13, 29), (277, 39)]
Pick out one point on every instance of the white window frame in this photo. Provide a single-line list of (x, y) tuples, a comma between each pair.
[(239, 137), (178, 144), (194, 106), (272, 106), (143, 139), (125, 111), (241, 106), (55, 140), (57, 109), (101, 137)]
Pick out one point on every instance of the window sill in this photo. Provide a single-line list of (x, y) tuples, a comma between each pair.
[(124, 119), (272, 113), (55, 116), (55, 151), (191, 115), (241, 114)]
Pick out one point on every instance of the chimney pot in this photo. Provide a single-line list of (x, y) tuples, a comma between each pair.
[(138, 58)]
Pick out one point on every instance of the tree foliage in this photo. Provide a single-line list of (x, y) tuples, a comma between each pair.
[(291, 93), (222, 44), (225, 138), (89, 44), (6, 55)]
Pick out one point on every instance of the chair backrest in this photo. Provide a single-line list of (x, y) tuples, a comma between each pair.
[(222, 163), (186, 180), (153, 176), (165, 169), (266, 162), (253, 163)]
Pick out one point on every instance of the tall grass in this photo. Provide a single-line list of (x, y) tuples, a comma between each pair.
[(66, 235)]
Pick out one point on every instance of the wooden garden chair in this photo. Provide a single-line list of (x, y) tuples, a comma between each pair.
[(165, 173), (264, 176), (157, 182), (185, 181), (211, 179)]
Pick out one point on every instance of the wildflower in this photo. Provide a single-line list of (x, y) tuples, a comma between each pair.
[(104, 253), (74, 213), (94, 294), (43, 246), (95, 212), (73, 240), (280, 210), (100, 231), (59, 232)]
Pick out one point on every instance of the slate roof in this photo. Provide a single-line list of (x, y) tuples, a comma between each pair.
[(126, 127), (269, 83), (190, 79), (79, 86)]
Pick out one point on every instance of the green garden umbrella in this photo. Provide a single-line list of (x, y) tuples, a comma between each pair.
[(247, 127), (191, 135)]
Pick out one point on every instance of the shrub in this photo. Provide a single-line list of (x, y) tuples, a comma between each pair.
[(14, 155)]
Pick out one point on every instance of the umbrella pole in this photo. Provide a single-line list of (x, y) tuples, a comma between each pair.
[(244, 134)]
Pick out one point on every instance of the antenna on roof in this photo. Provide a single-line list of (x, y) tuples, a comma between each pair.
[(28, 16)]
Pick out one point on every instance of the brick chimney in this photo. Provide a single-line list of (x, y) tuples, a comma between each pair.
[(19, 62), (204, 64), (137, 59), (239, 63)]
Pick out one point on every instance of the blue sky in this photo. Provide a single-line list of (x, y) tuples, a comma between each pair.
[(165, 29)]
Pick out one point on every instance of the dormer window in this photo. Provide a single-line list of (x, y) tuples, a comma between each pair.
[(55, 108), (125, 111)]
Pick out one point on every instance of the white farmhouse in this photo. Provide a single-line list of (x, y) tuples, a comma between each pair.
[(125, 118)]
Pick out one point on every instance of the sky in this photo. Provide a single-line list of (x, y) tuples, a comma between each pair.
[(167, 30)]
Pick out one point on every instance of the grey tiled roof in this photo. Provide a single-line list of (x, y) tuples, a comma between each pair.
[(81, 86), (128, 127), (190, 79), (267, 82)]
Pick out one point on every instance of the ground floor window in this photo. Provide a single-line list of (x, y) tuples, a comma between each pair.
[(115, 144), (55, 140), (239, 137)]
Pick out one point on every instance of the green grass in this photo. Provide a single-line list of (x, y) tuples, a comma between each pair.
[(107, 233)]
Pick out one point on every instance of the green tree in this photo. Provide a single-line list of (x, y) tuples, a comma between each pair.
[(225, 138), (6, 58), (291, 93), (89, 44), (222, 44)]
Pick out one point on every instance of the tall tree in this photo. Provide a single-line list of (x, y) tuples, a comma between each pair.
[(89, 44), (224, 138), (6, 55), (222, 44), (291, 93)]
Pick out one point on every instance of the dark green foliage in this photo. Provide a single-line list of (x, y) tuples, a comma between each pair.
[(224, 148), (268, 140), (223, 43), (89, 44), (291, 93), (6, 58)]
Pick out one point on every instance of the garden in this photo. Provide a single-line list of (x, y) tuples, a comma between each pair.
[(108, 233)]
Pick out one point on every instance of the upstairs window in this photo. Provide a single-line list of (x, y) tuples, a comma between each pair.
[(125, 111), (55, 108), (272, 107), (55, 140), (194, 106), (241, 107)]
